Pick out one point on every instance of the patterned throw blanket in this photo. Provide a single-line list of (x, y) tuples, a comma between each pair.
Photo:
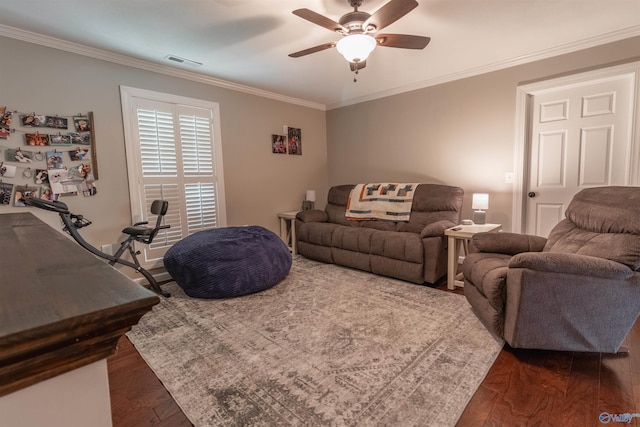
[(390, 201)]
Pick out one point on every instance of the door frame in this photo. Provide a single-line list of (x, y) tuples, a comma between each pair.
[(524, 102)]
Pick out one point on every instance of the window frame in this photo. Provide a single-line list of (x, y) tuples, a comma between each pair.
[(139, 210)]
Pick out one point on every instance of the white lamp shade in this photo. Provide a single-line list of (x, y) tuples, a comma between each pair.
[(311, 195), (356, 47), (480, 201)]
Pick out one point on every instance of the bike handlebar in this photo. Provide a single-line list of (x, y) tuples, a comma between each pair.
[(54, 206)]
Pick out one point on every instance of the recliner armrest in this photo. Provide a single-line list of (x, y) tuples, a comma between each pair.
[(568, 263), (314, 215), (437, 228), (508, 243)]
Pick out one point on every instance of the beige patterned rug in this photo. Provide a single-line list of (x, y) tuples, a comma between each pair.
[(328, 346)]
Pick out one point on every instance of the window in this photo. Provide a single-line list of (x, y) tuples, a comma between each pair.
[(173, 153)]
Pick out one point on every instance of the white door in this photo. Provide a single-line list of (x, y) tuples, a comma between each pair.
[(581, 136)]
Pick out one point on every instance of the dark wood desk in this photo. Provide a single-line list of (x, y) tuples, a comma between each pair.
[(60, 307)]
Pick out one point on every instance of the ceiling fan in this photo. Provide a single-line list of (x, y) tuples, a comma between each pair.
[(360, 31)]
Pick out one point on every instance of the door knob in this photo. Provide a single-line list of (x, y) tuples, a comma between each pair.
[(532, 194)]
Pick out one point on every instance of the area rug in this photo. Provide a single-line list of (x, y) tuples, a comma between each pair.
[(328, 346)]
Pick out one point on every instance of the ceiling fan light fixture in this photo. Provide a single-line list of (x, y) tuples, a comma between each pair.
[(356, 47)]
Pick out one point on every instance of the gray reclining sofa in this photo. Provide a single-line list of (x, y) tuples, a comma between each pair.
[(413, 250)]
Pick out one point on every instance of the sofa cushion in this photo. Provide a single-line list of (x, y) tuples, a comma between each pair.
[(409, 271), (383, 225), (620, 247), (432, 203), (317, 233), (597, 210), (335, 214), (314, 215), (337, 205), (353, 239), (402, 246), (488, 273)]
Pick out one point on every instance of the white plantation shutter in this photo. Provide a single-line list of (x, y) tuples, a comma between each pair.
[(201, 206), (198, 167), (157, 143), (173, 154), (197, 142)]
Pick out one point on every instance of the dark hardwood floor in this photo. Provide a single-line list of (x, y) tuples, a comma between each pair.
[(522, 388), (138, 398)]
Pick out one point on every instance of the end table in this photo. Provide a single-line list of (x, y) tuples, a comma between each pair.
[(461, 234), (288, 229)]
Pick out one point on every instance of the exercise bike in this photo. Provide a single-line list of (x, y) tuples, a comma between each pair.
[(138, 232)]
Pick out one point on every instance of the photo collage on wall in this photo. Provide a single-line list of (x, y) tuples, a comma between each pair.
[(47, 156), (291, 143)]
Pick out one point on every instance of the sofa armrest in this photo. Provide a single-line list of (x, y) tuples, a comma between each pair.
[(568, 263), (508, 243), (436, 229), (314, 215)]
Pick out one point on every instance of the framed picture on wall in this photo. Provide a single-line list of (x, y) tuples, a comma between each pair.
[(294, 141), (279, 144)]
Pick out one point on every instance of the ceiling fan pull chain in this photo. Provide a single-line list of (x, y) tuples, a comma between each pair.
[(355, 77)]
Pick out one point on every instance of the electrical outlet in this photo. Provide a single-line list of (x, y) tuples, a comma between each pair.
[(508, 177)]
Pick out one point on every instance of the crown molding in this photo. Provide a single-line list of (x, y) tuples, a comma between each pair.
[(495, 66), (55, 43)]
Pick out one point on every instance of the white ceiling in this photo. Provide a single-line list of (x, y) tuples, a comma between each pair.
[(247, 42)]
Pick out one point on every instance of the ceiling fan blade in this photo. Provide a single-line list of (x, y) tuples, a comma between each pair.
[(313, 50), (355, 66), (403, 41), (318, 19), (390, 13)]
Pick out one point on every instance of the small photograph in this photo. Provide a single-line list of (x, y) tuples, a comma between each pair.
[(56, 122), (41, 176), (36, 139), (18, 155), (80, 138), (294, 137), (64, 182), (81, 123), (279, 144), (79, 154), (5, 193), (5, 123), (7, 171), (22, 191), (33, 120), (47, 193), (84, 171), (90, 190), (54, 160), (60, 139)]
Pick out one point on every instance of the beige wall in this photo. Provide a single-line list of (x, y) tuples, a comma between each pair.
[(459, 133), (259, 184)]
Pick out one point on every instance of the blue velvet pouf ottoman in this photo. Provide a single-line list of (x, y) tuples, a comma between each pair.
[(228, 262)]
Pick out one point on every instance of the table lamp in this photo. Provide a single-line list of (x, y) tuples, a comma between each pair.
[(479, 205), (309, 200)]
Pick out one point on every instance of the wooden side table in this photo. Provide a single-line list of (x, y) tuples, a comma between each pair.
[(460, 235), (288, 229)]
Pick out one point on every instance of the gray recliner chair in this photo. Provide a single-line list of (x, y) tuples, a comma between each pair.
[(578, 290)]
